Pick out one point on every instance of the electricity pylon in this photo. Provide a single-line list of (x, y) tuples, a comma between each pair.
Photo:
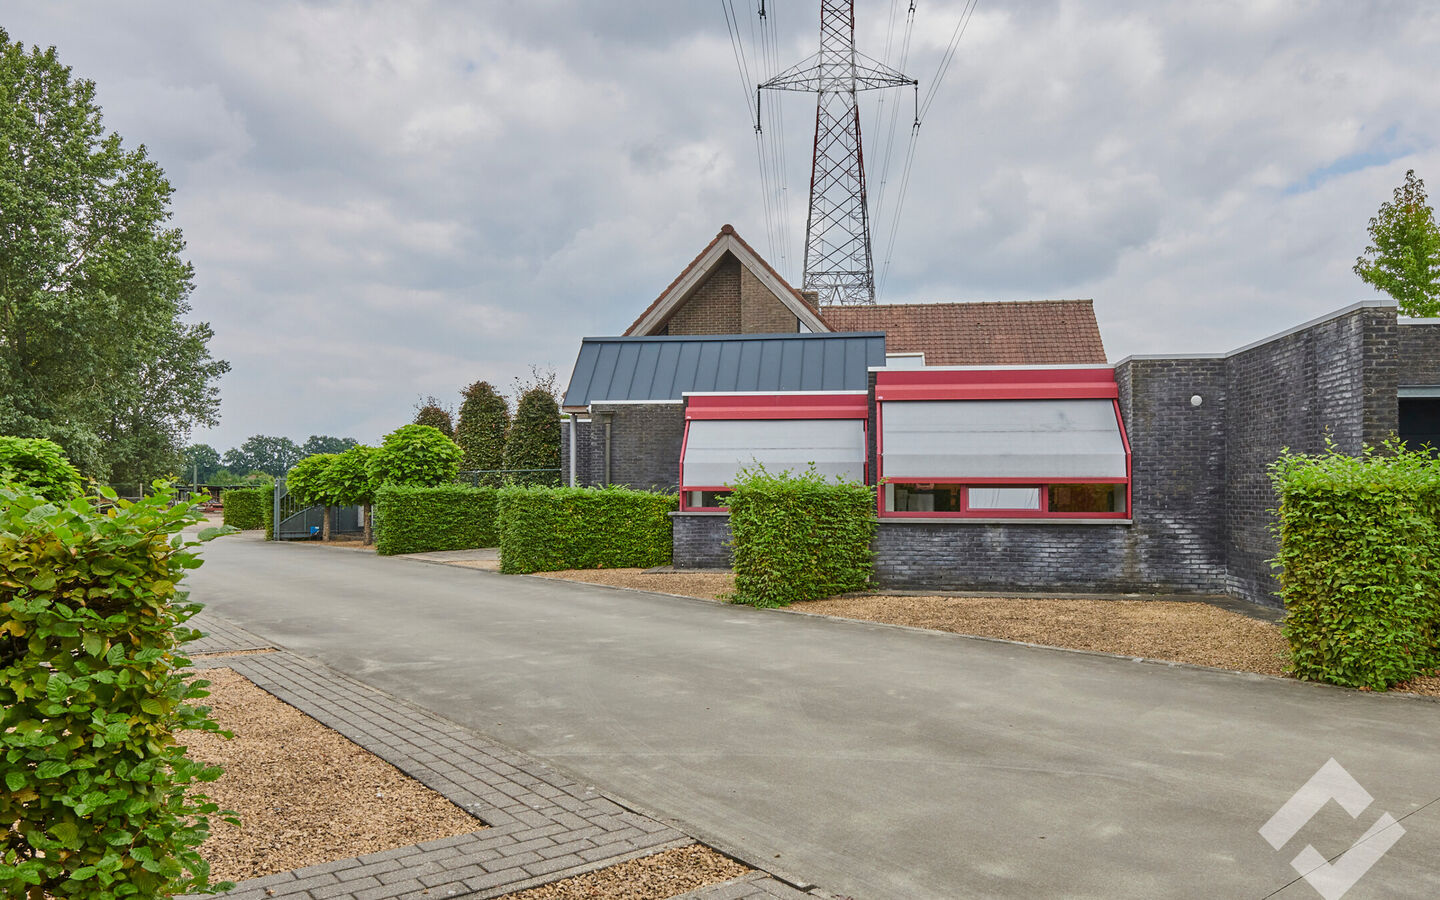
[(838, 264)]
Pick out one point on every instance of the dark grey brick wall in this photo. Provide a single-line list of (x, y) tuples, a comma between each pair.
[(701, 541), (1338, 378), (644, 446), (1419, 353)]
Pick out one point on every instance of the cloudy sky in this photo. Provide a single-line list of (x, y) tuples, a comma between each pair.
[(384, 200)]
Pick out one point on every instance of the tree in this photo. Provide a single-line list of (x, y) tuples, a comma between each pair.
[(347, 482), (307, 483), (202, 461), (484, 422), (324, 443), (415, 456), (534, 441), (263, 453), (429, 412), (1403, 258), (94, 350)]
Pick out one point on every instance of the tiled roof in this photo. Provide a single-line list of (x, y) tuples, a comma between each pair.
[(1029, 332), (666, 367)]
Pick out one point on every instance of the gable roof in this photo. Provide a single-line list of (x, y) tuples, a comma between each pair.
[(666, 367), (700, 268), (1026, 332)]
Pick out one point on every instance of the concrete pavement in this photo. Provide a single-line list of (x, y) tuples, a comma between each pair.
[(873, 761)]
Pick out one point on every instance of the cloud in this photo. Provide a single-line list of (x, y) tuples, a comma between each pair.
[(389, 200)]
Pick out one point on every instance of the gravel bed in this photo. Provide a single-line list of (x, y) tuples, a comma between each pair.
[(304, 794), (707, 585), (665, 874), (224, 654)]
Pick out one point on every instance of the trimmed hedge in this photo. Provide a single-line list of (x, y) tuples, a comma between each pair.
[(100, 799), (799, 537), (1360, 565), (545, 529), (247, 508), (446, 517)]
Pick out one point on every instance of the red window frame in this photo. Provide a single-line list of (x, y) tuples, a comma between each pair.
[(998, 384), (740, 407)]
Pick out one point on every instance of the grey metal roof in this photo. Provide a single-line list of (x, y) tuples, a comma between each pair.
[(662, 368)]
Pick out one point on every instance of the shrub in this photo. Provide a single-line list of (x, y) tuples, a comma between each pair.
[(416, 456), (38, 465), (307, 480), (484, 422), (1359, 547), (97, 798), (347, 482), (544, 529), (534, 441), (446, 517), (429, 412), (799, 537), (247, 508)]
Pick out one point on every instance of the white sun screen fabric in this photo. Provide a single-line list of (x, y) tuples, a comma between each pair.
[(1050, 439), (1005, 498), (717, 449)]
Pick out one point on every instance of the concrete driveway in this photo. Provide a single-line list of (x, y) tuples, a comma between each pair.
[(872, 761)]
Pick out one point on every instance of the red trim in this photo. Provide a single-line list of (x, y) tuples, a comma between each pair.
[(710, 487), (1018, 482), (777, 406), (997, 384), (684, 442)]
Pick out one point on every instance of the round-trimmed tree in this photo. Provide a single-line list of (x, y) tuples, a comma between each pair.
[(307, 483), (347, 482), (534, 441), (484, 423), (414, 455)]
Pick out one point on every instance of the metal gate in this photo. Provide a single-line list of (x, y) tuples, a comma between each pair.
[(294, 522)]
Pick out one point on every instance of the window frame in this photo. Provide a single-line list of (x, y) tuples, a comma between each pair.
[(791, 406), (968, 385)]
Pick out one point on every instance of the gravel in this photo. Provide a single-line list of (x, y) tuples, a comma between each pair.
[(665, 874), (304, 794), (706, 585)]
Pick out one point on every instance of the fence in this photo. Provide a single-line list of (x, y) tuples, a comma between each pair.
[(294, 522), (502, 477)]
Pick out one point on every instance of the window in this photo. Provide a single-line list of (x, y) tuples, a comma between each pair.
[(705, 499), (1002, 444)]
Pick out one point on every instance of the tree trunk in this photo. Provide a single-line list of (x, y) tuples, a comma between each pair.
[(369, 534), (325, 526)]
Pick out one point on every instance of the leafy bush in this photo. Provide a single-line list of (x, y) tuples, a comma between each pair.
[(534, 441), (484, 422), (347, 478), (429, 412), (307, 480), (416, 456), (1360, 565), (446, 517), (799, 537), (544, 529), (247, 508), (97, 798), (39, 465)]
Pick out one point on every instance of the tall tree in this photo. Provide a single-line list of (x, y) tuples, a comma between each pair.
[(484, 422), (94, 350), (263, 453), (201, 461), (534, 441), (324, 443), (429, 412), (1403, 258)]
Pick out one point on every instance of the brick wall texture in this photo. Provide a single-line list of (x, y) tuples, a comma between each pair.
[(1419, 354), (732, 301), (701, 541), (645, 443)]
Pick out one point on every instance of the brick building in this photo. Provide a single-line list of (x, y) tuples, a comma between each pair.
[(1020, 462)]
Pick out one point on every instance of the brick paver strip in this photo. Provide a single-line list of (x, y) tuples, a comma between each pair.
[(755, 886), (544, 826)]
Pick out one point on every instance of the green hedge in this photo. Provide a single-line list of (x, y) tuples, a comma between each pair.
[(248, 508), (447, 517), (100, 799), (545, 529), (1360, 565), (799, 537)]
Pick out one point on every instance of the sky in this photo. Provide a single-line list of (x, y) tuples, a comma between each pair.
[(389, 200)]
